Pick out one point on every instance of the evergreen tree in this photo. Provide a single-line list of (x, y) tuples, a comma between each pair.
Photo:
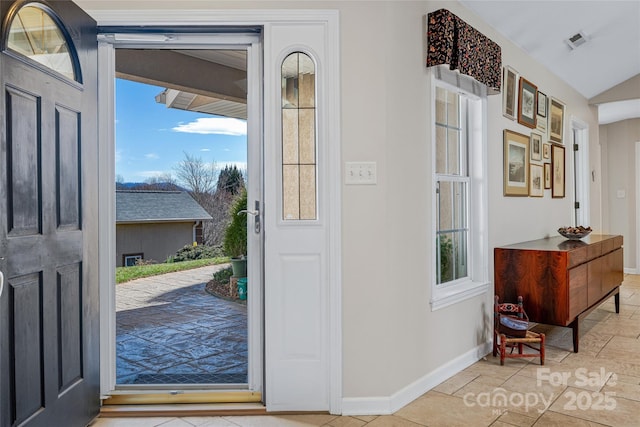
[(230, 180)]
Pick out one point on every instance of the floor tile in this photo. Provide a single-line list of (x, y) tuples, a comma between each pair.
[(365, 418), (554, 419), (218, 422), (393, 421), (436, 409), (618, 387), (600, 408), (132, 422), (282, 420), (607, 366), (176, 423), (456, 382), (515, 419), (346, 422), (619, 326)]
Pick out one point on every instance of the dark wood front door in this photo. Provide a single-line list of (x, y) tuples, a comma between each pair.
[(49, 325)]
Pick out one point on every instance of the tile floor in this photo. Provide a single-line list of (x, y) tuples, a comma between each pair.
[(602, 386), (169, 330)]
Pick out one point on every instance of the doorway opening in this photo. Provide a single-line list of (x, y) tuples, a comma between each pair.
[(581, 174), (185, 149), (180, 167)]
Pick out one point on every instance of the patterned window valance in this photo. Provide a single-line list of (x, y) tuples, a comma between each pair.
[(452, 41)]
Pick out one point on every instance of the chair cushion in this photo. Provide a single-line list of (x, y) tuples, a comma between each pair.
[(513, 326)]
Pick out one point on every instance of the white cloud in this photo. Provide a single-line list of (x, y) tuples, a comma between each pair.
[(118, 155), (214, 125), (152, 156), (205, 149)]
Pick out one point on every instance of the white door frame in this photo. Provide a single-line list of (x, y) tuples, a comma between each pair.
[(253, 46), (637, 237), (580, 136), (266, 19)]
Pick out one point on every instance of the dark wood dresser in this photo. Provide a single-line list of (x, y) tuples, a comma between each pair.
[(560, 280)]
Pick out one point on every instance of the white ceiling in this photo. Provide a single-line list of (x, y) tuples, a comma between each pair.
[(610, 56)]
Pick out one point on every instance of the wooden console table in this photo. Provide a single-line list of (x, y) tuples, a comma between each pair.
[(560, 280)]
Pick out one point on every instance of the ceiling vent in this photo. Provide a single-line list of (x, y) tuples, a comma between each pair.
[(576, 40)]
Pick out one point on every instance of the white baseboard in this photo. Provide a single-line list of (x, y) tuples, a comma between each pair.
[(630, 271), (387, 405)]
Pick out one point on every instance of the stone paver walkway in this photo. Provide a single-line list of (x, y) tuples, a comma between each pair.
[(169, 330)]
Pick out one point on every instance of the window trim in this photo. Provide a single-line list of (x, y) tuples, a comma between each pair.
[(136, 256), (477, 280)]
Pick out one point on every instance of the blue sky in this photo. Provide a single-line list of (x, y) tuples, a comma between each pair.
[(151, 138)]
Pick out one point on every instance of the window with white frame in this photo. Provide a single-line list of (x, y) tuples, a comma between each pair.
[(452, 187), (130, 260), (459, 190)]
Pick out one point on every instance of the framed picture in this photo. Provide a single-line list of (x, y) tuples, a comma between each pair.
[(547, 176), (527, 103), (556, 121), (516, 163), (541, 126), (510, 92), (557, 172), (536, 146), (536, 183), (546, 151), (542, 104)]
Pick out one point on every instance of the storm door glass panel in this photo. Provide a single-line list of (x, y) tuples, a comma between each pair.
[(34, 34), (299, 168), (452, 187)]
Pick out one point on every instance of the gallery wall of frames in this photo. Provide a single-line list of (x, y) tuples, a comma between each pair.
[(534, 155)]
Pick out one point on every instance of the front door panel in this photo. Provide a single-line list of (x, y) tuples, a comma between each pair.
[(48, 322)]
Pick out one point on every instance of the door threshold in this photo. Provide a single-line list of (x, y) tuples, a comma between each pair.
[(182, 410), (166, 397)]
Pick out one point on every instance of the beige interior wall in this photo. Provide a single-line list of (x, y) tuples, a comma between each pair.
[(628, 89), (620, 141), (156, 241), (391, 337)]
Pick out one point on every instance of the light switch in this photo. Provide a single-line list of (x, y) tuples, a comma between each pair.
[(360, 173), (621, 194)]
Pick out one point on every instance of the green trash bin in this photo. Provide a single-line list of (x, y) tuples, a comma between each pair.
[(242, 288)]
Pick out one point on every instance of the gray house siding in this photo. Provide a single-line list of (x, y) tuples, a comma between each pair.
[(155, 224), (156, 241)]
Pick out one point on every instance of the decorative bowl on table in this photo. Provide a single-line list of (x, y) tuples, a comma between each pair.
[(574, 233)]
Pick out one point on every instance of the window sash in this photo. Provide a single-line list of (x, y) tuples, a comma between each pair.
[(476, 282), (451, 152), (452, 233)]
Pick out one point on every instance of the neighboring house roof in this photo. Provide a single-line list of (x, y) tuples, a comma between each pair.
[(157, 206)]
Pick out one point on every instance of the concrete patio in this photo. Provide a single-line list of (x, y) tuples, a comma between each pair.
[(169, 330)]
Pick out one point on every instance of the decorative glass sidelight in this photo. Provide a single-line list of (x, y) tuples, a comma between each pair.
[(299, 168), (35, 34)]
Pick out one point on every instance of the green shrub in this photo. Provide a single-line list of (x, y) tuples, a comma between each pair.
[(190, 252), (224, 275), (446, 259), (235, 236)]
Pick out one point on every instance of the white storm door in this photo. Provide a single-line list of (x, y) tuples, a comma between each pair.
[(302, 303)]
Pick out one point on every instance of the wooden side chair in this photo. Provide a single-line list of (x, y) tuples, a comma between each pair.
[(511, 331)]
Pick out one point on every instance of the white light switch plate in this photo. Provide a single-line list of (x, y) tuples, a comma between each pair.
[(360, 173)]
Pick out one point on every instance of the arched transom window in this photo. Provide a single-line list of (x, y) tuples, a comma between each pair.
[(34, 33)]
